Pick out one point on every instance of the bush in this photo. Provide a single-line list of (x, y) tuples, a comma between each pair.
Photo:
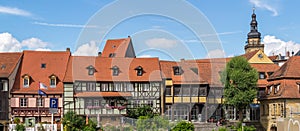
[(222, 129), (20, 127), (184, 126)]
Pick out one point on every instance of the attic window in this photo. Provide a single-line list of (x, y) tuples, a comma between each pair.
[(277, 88), (91, 70), (52, 80), (139, 70), (112, 55), (269, 90), (26, 80), (262, 75), (177, 70), (270, 73), (43, 65), (115, 70)]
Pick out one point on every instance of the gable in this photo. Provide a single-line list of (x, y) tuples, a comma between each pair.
[(260, 57)]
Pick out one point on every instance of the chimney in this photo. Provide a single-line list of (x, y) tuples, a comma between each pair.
[(287, 54), (99, 54), (68, 49)]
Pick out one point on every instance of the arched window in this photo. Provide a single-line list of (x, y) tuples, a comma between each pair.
[(26, 80), (115, 70), (53, 80), (91, 70), (139, 71)]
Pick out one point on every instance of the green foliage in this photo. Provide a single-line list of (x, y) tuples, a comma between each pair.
[(240, 83), (91, 126), (140, 111), (184, 126), (73, 122), (152, 124), (222, 129), (17, 120), (20, 127)]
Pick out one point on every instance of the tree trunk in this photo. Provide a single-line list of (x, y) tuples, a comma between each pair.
[(241, 114)]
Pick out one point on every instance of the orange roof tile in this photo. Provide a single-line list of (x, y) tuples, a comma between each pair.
[(77, 69), (288, 89), (56, 63), (290, 68), (117, 46), (8, 62), (103, 94), (249, 55)]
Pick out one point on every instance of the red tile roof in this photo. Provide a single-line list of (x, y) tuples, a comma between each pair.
[(290, 69), (117, 46), (103, 94), (249, 55), (77, 69), (264, 68), (8, 62), (56, 63)]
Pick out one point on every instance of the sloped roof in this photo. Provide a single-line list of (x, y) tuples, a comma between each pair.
[(290, 69), (117, 46), (8, 62), (288, 89), (249, 55), (264, 68), (103, 69), (56, 64)]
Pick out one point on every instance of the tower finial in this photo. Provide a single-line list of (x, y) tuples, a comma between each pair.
[(253, 9)]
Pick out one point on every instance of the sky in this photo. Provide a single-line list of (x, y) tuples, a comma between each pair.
[(169, 29)]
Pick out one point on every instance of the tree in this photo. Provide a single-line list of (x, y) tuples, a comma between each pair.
[(73, 122), (144, 123), (141, 111), (240, 84)]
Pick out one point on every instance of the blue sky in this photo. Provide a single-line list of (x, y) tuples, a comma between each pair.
[(166, 29)]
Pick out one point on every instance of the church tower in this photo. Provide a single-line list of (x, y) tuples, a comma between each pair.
[(253, 40)]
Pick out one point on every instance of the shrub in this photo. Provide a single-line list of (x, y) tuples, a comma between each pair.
[(184, 126)]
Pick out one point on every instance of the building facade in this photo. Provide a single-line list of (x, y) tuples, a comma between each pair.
[(38, 67)]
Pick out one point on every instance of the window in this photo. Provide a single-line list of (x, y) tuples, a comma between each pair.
[(104, 87), (177, 91), (195, 90), (43, 65), (26, 81), (185, 90), (269, 90), (112, 55), (96, 103), (115, 70), (23, 102), (91, 86), (139, 70), (262, 75), (168, 91), (89, 103), (91, 70), (52, 81), (202, 91), (277, 88), (39, 102), (128, 87), (117, 86), (270, 73), (177, 70)]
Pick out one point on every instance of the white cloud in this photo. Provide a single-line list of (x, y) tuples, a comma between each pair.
[(161, 43), (34, 43), (14, 11), (215, 54), (64, 25), (88, 49), (275, 46), (10, 44), (265, 4)]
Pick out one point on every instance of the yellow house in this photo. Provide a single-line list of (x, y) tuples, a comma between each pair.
[(282, 96)]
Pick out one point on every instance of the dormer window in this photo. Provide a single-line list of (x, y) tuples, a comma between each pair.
[(269, 90), (26, 80), (52, 80), (277, 88), (262, 75), (177, 70), (112, 55), (298, 85), (115, 70), (91, 70), (139, 71)]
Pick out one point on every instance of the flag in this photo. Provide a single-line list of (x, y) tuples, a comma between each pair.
[(40, 92), (43, 86)]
